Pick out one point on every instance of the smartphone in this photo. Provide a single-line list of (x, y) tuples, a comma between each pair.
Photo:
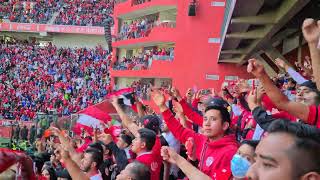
[(253, 83)]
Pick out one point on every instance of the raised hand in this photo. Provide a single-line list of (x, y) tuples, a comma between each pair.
[(279, 62), (55, 131), (175, 93), (252, 99), (65, 155), (199, 95), (114, 101), (189, 93), (169, 155), (177, 108), (256, 68), (311, 30), (158, 97)]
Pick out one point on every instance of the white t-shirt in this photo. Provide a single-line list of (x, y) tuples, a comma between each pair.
[(96, 177)]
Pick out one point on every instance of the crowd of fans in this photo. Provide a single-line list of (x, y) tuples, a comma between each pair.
[(79, 12), (33, 11), (137, 2), (264, 128), (37, 78), (134, 63), (144, 60), (86, 13), (137, 28)]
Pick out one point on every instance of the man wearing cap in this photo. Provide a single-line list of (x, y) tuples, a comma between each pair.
[(152, 123), (215, 147), (193, 115)]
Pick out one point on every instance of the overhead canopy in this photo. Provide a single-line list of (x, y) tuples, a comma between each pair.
[(254, 25)]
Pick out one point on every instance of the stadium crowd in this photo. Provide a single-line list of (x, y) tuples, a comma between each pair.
[(263, 128), (144, 60), (79, 12), (33, 11), (39, 78), (137, 28), (86, 13)]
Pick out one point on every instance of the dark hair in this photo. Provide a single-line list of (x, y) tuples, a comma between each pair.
[(96, 155), (126, 138), (243, 101), (148, 136), (304, 153), (52, 172), (151, 122), (140, 171), (97, 146), (223, 111), (252, 143)]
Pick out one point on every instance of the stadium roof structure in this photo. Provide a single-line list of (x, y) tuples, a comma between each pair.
[(252, 26)]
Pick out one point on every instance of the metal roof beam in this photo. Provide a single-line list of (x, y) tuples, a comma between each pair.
[(267, 18), (236, 51), (231, 60), (253, 34), (283, 14)]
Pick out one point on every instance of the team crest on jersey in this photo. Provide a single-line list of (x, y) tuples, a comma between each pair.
[(209, 161), (154, 166)]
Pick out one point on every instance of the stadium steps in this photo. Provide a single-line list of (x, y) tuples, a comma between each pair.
[(108, 36), (55, 15)]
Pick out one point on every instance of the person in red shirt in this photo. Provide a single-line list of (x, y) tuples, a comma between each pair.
[(142, 145), (215, 147), (148, 122)]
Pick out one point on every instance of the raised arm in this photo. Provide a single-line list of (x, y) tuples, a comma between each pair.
[(126, 121), (188, 111), (189, 170), (181, 133), (298, 110), (294, 74), (76, 157), (311, 33), (73, 169)]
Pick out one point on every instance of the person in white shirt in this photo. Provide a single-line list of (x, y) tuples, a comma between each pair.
[(174, 144), (91, 162)]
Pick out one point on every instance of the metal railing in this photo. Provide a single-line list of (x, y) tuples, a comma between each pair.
[(120, 1), (146, 32)]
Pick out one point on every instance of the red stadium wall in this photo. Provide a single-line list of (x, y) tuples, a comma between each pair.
[(194, 56)]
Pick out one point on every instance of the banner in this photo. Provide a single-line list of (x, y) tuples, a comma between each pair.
[(5, 126), (8, 123), (31, 27)]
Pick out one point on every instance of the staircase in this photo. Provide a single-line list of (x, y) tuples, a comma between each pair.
[(54, 16), (108, 36)]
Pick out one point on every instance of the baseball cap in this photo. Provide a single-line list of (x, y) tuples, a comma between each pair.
[(217, 101), (151, 122), (311, 85)]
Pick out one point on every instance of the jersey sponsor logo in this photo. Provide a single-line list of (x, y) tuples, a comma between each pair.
[(209, 161), (154, 166)]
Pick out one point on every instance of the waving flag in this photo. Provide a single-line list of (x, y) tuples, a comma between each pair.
[(90, 118)]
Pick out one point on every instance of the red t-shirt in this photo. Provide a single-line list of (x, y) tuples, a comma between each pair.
[(153, 159), (153, 162), (314, 116)]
